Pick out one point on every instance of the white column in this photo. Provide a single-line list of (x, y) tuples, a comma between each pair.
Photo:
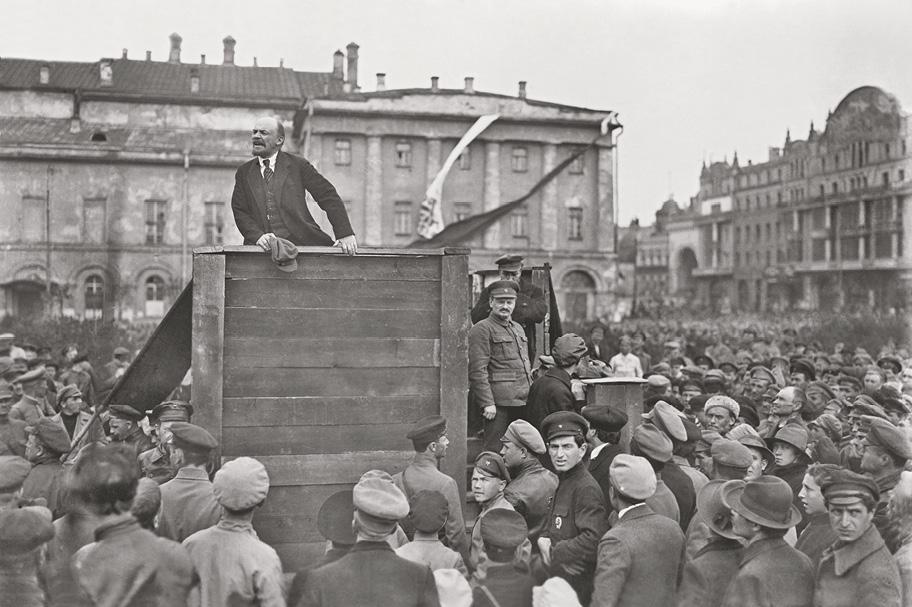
[(861, 221), (894, 236), (433, 159), (373, 196), (492, 191), (550, 206), (714, 246), (906, 202)]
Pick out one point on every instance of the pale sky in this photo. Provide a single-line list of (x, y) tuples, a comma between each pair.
[(691, 79)]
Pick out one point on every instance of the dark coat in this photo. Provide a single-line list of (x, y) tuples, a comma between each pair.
[(511, 586), (771, 574), (793, 474), (294, 176), (859, 574), (71, 532), (707, 575), (578, 520), (530, 492), (297, 584), (639, 561), (550, 392), (599, 466), (370, 574), (816, 537), (12, 436), (683, 490), (188, 505), (45, 479)]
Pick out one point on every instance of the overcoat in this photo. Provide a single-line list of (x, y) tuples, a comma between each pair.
[(859, 574), (188, 505), (707, 575), (771, 574)]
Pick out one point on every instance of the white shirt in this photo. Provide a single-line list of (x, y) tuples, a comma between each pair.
[(626, 365), (596, 451), (272, 163)]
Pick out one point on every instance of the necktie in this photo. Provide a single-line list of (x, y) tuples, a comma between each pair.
[(267, 172)]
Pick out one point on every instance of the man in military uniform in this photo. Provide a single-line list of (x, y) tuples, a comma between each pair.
[(12, 431), (532, 486), (156, 462), (429, 440), (32, 406), (188, 504), (886, 451), (499, 371), (47, 441), (760, 378), (124, 423), (530, 300), (578, 516)]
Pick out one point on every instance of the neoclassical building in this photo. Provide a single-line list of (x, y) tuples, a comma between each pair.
[(113, 171), (824, 223)]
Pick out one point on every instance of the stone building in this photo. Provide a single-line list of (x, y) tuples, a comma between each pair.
[(823, 223), (113, 171)]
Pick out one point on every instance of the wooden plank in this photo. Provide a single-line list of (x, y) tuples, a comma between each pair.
[(331, 468), (296, 556), (208, 340), (358, 269), (303, 440), (319, 323), (348, 352), (380, 294), (297, 499), (277, 382), (363, 251), (454, 366), (325, 411)]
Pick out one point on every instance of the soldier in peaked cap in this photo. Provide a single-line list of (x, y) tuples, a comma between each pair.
[(47, 442), (578, 516), (429, 440), (124, 422), (604, 425), (848, 386), (532, 486), (32, 406), (503, 532), (761, 378), (499, 370), (188, 503), (801, 373), (156, 462), (886, 450)]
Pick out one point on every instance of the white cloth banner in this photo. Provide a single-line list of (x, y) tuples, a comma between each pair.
[(430, 215)]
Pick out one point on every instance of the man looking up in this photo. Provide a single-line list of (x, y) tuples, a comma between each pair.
[(269, 196)]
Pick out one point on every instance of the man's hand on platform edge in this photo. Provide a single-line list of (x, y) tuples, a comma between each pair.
[(349, 244), (264, 241)]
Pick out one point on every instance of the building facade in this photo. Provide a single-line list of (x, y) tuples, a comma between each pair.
[(823, 224), (114, 171)]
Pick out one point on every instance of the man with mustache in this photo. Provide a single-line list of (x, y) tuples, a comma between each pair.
[(269, 196)]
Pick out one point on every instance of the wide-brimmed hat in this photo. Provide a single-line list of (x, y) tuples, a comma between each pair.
[(755, 442), (795, 435), (714, 513), (764, 501)]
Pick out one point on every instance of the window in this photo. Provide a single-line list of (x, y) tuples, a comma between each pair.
[(93, 220), (93, 296), (155, 221), (885, 178), (215, 222), (901, 176), (716, 207), (576, 167), (403, 218), (835, 187), (779, 198), (518, 222), (33, 219), (155, 296), (464, 162), (520, 159), (461, 210), (343, 152), (821, 190), (99, 137), (575, 231), (404, 155)]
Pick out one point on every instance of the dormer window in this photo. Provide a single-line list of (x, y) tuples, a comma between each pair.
[(44, 74), (99, 137)]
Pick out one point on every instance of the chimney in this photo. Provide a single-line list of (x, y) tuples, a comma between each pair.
[(352, 79), (469, 84), (44, 74), (281, 62), (123, 54), (194, 80), (435, 84), (255, 62), (338, 65), (229, 43), (203, 59), (522, 89), (148, 55), (175, 55), (105, 72), (381, 82)]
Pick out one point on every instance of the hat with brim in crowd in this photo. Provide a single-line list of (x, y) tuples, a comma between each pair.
[(890, 361), (752, 441), (804, 366), (794, 435), (604, 417), (714, 513), (704, 359), (765, 501)]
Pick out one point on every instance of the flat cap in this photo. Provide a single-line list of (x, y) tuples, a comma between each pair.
[(564, 423), (172, 411), (525, 435), (427, 429), (187, 435), (672, 344), (657, 380), (24, 529), (504, 288), (66, 392), (429, 510), (724, 402), (761, 372), (126, 412), (632, 476), (241, 484), (821, 387), (728, 362), (30, 376), (503, 528), (334, 519), (121, 351), (730, 453), (690, 382), (13, 470), (693, 431), (380, 498), (714, 376), (850, 380), (492, 463), (847, 487), (667, 419), (653, 443), (803, 365), (510, 263), (51, 434), (603, 417), (568, 349), (888, 437)]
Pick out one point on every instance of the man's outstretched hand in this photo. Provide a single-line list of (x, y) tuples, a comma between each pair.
[(349, 244)]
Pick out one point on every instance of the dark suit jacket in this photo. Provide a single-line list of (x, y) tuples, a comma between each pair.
[(599, 466), (370, 574), (293, 177), (549, 393)]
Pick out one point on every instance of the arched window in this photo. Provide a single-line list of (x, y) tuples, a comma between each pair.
[(93, 295), (579, 296), (155, 296)]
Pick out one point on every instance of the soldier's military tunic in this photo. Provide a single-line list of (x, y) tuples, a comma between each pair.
[(156, 464)]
